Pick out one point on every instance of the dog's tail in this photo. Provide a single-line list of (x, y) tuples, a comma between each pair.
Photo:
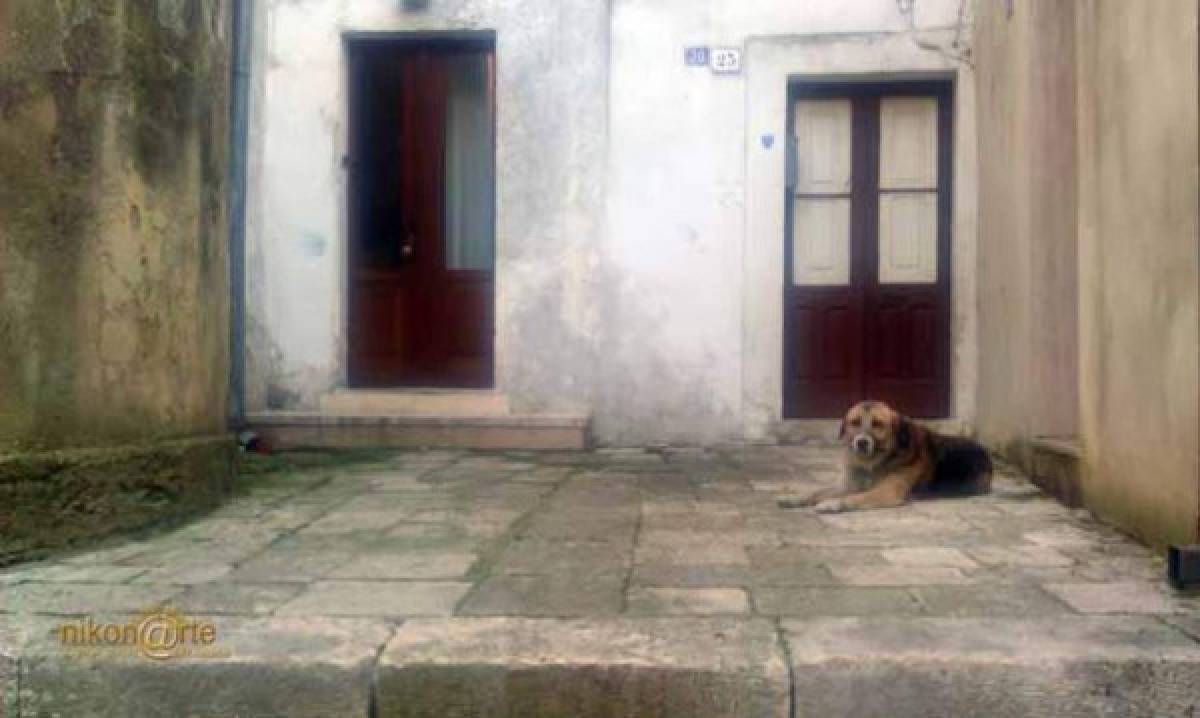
[(961, 468)]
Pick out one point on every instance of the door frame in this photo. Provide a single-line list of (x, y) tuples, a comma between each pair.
[(770, 63), (865, 264), (352, 42)]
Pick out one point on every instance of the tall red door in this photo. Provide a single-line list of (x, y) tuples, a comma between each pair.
[(867, 293), (421, 197)]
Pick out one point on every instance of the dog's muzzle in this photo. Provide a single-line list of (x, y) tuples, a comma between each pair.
[(863, 444)]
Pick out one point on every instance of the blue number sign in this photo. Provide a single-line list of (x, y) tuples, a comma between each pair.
[(696, 56)]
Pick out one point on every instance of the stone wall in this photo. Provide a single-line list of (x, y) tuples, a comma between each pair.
[(1089, 248), (113, 261), (1139, 195), (1027, 248)]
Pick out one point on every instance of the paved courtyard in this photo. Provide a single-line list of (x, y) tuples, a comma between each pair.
[(346, 585)]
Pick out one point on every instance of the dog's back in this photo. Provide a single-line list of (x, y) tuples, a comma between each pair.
[(961, 467)]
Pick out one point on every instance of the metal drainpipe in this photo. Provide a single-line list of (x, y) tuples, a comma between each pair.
[(243, 38)]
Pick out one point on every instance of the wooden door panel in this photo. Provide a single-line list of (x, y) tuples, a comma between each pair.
[(836, 339), (906, 346), (387, 321), (469, 332), (373, 351), (824, 347)]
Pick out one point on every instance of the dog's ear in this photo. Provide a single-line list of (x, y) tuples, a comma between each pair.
[(842, 429), (903, 432)]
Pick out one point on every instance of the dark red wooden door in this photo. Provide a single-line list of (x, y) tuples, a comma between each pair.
[(418, 316), (867, 294)]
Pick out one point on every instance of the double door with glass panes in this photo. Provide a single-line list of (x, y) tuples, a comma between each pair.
[(867, 281)]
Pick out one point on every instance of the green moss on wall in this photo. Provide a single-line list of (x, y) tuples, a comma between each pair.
[(62, 499), (113, 282), (164, 70)]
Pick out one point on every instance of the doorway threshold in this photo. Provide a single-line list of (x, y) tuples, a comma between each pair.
[(416, 402), (413, 418)]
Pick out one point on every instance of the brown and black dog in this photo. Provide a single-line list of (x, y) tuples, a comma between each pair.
[(889, 457)]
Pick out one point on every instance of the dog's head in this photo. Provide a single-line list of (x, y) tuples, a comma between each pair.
[(872, 430)]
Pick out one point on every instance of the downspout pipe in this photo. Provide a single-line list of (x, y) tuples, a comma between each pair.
[(239, 109)]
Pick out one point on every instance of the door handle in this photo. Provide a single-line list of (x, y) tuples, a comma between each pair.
[(408, 247)]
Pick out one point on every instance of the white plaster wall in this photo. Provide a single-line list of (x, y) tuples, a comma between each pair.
[(695, 202), (638, 273), (552, 63), (772, 61)]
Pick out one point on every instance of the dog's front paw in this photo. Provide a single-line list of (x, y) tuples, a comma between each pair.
[(795, 502), (832, 506)]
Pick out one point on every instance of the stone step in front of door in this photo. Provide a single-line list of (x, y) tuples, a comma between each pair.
[(319, 430), (665, 667), (414, 402)]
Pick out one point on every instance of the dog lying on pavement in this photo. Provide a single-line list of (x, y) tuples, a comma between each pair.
[(889, 457)]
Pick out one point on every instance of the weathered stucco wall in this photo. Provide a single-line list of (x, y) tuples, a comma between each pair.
[(622, 199), (551, 131), (113, 269), (113, 313), (698, 328), (1089, 248), (1139, 255), (1028, 292)]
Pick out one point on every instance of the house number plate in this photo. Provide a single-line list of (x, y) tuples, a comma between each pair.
[(726, 60)]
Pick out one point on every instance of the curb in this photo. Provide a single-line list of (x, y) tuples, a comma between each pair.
[(588, 668)]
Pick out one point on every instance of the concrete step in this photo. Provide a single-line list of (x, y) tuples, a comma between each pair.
[(414, 402), (1056, 468), (720, 667), (1056, 667), (584, 668), (298, 429), (301, 668)]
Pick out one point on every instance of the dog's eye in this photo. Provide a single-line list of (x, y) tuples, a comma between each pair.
[(876, 424), (853, 422)]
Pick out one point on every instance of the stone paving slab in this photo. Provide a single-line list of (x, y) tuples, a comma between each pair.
[(61, 599), (424, 564), (687, 601), (237, 599), (622, 539), (391, 599), (1017, 600), (573, 595), (587, 668), (836, 601), (1117, 597)]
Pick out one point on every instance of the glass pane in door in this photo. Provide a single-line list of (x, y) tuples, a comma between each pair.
[(470, 164)]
